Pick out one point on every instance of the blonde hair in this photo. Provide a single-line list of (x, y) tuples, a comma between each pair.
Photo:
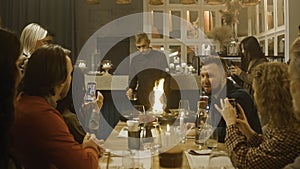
[(140, 37), (295, 57), (29, 37), (272, 93)]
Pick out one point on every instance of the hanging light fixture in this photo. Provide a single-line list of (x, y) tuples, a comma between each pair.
[(92, 2), (156, 2), (250, 2), (123, 2), (215, 2), (187, 1)]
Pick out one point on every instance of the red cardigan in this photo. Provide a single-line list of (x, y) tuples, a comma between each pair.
[(42, 139)]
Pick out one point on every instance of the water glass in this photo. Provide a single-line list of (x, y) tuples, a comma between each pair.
[(212, 142), (202, 135), (184, 105)]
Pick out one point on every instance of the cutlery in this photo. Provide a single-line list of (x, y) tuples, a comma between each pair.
[(194, 152)]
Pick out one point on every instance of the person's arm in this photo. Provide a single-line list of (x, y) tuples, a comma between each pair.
[(257, 151), (236, 71), (294, 165), (247, 77), (57, 144), (133, 75), (74, 126), (249, 110), (93, 109)]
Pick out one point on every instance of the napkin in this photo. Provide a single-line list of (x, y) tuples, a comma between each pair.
[(216, 159), (197, 161), (123, 132)]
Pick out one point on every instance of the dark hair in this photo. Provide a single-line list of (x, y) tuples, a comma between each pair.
[(10, 50), (73, 101), (45, 70), (251, 47), (222, 65)]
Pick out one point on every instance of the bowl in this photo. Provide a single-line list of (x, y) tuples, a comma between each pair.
[(168, 118)]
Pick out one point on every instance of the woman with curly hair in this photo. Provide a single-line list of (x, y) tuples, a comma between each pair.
[(279, 145)]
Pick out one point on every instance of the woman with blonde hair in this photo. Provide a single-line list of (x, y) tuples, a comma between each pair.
[(32, 37), (279, 145)]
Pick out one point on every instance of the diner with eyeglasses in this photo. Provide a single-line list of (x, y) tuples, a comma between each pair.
[(153, 84)]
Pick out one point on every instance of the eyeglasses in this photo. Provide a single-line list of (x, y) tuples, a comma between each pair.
[(140, 46)]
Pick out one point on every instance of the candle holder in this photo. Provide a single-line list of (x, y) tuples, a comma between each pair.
[(106, 66)]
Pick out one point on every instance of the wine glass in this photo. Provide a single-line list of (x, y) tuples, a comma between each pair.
[(185, 106)]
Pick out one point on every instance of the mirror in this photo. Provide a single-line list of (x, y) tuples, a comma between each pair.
[(174, 25), (261, 17), (192, 19), (280, 12), (270, 14), (209, 20), (271, 46), (280, 45), (253, 21), (262, 46), (157, 24), (242, 26)]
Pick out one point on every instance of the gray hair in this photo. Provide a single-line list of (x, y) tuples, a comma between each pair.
[(295, 57), (29, 37)]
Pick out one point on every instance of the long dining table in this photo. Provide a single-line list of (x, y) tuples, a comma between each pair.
[(115, 142)]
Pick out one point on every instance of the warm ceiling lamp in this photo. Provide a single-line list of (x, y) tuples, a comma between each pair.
[(215, 2), (123, 2), (156, 2), (250, 2), (187, 1), (92, 2)]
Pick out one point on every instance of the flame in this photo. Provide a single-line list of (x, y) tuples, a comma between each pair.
[(158, 94)]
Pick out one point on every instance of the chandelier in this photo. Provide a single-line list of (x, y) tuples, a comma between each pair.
[(156, 2), (215, 2), (187, 1), (250, 2), (123, 2), (92, 2), (244, 3)]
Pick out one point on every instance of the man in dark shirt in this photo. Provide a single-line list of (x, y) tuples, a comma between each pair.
[(215, 84), (145, 69)]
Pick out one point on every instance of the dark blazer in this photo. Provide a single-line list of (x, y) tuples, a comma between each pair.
[(244, 99)]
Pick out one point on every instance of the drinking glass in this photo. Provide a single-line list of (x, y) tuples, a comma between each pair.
[(157, 137), (212, 142), (202, 135), (185, 106)]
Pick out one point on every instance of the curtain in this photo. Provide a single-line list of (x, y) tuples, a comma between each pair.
[(57, 16)]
